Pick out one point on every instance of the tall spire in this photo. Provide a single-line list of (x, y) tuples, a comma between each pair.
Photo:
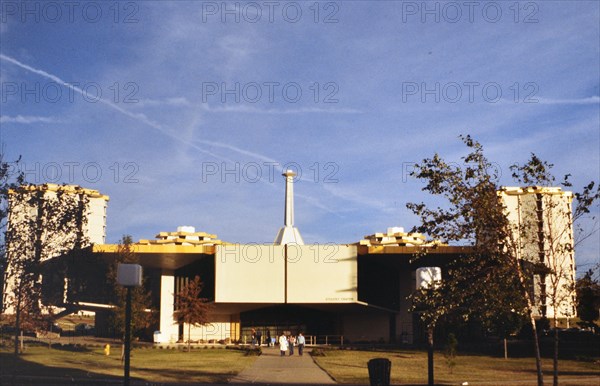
[(288, 219), (288, 234)]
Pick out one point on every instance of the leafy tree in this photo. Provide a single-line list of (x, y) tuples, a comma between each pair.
[(557, 282), (190, 308), (493, 281), (431, 302), (10, 179), (588, 299), (490, 279), (141, 316), (44, 221)]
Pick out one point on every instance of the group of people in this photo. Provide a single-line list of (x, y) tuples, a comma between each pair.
[(287, 342)]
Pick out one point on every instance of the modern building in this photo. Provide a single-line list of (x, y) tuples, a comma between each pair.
[(543, 233), (353, 290), (357, 291)]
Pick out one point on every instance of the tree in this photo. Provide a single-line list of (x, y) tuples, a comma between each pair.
[(43, 222), (431, 302), (490, 279), (450, 351), (141, 300), (588, 299), (551, 223), (10, 179), (190, 308)]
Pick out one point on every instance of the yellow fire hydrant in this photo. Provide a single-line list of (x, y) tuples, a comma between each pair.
[(107, 350)]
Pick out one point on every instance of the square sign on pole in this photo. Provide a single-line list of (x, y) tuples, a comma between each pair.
[(129, 275)]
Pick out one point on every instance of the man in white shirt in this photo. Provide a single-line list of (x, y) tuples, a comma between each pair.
[(283, 344)]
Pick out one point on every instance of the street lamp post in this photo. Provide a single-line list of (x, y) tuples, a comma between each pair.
[(129, 276), (429, 278)]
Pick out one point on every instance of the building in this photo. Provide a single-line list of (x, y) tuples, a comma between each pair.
[(543, 233), (357, 291), (33, 203), (42, 207), (353, 290)]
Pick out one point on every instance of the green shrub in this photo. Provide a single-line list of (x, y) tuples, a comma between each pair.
[(318, 352), (450, 351), (253, 352)]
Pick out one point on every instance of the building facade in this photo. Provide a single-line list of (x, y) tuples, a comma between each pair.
[(542, 228), (46, 221), (357, 291)]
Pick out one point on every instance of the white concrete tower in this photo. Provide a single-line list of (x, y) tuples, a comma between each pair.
[(288, 234)]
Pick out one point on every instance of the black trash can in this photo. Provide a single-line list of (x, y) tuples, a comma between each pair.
[(379, 371)]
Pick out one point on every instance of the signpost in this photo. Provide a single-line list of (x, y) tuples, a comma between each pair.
[(429, 278), (129, 276)]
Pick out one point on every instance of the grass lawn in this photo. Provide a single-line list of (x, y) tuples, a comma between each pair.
[(200, 365), (410, 367)]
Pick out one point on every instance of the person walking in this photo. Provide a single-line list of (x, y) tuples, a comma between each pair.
[(283, 344), (259, 337), (301, 341), (292, 341)]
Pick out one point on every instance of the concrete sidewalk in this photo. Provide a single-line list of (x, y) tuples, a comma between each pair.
[(272, 369)]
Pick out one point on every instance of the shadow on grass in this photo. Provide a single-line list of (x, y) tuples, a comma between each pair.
[(591, 372), (562, 373), (183, 376), (70, 347), (20, 371), (353, 366)]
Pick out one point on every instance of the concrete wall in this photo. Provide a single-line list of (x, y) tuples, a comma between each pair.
[(312, 274), (322, 274), (95, 228), (167, 326), (249, 273)]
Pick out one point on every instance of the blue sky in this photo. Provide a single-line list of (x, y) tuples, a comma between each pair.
[(184, 113)]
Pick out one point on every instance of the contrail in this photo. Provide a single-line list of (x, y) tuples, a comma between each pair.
[(138, 117), (142, 118), (238, 150)]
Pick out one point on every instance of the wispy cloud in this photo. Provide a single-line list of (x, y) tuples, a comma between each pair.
[(26, 119), (176, 102), (354, 197), (300, 110), (593, 100)]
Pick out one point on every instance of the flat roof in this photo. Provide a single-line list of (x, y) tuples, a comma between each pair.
[(172, 256), (393, 250), (164, 256), (357, 306), (71, 189), (522, 190)]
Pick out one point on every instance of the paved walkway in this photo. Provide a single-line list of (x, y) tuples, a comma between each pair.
[(272, 369)]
